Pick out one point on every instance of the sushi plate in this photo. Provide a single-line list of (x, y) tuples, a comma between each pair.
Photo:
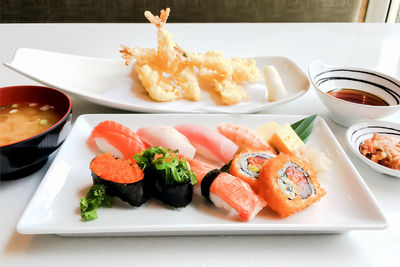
[(54, 208), (110, 83)]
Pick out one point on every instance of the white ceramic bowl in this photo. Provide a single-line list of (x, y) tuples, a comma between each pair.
[(359, 132), (325, 78)]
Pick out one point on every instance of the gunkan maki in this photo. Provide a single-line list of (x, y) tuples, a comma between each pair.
[(170, 175), (122, 178)]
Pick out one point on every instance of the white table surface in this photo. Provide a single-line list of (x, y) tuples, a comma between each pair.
[(375, 46)]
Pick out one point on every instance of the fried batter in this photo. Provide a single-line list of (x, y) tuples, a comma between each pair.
[(169, 72)]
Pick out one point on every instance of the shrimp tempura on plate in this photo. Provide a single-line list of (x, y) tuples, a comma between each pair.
[(169, 72)]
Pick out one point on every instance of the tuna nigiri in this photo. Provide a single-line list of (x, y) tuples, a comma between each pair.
[(245, 138), (208, 142), (115, 138), (168, 137), (227, 191)]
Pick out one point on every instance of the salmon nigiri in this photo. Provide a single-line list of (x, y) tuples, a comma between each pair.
[(227, 191), (117, 139), (245, 138)]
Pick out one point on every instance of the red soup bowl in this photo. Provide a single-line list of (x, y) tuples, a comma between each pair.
[(26, 156)]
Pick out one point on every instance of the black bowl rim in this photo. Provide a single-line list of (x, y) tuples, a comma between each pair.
[(54, 125)]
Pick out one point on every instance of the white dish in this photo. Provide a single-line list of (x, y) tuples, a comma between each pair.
[(325, 78), (109, 82), (54, 208), (360, 132)]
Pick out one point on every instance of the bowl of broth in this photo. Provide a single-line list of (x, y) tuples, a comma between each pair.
[(353, 95), (34, 122)]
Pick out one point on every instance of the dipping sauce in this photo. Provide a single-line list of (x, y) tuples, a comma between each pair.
[(359, 97), (20, 121)]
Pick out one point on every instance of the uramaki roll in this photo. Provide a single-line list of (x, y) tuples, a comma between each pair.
[(288, 185), (247, 166)]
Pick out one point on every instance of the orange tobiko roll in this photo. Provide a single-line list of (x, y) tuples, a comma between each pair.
[(288, 185), (247, 166)]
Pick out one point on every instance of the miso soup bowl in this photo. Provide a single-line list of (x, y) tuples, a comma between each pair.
[(325, 78), (26, 156)]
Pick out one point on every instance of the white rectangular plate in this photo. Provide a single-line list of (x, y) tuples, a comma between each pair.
[(54, 208), (110, 83)]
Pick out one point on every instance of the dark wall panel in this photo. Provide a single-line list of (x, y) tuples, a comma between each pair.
[(42, 11)]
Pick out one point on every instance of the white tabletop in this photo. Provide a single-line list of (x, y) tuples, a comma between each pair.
[(375, 46)]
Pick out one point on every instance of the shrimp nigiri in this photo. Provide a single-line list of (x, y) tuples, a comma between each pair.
[(115, 138), (245, 138), (227, 191)]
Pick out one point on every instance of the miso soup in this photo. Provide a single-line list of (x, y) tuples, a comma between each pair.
[(20, 121)]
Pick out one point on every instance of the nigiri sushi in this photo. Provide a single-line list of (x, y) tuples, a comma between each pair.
[(168, 137), (169, 175), (115, 138), (208, 142), (227, 191), (122, 178), (245, 138)]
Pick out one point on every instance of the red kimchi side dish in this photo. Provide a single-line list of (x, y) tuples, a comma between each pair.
[(383, 149)]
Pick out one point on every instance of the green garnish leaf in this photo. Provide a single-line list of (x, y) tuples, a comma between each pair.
[(226, 167), (96, 197), (304, 127), (167, 163), (89, 215)]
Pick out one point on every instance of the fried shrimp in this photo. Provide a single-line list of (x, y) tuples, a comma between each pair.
[(169, 72)]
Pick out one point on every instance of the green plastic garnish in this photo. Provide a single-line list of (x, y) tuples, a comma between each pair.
[(167, 162), (304, 127), (226, 167), (96, 197)]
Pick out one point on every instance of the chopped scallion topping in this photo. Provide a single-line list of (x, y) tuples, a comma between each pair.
[(43, 122)]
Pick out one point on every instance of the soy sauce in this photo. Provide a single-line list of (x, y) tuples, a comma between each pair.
[(359, 97)]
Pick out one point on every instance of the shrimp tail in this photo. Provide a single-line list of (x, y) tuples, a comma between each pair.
[(158, 21)]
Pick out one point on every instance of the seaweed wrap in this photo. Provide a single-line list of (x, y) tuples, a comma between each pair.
[(288, 185), (247, 166), (122, 178), (169, 174)]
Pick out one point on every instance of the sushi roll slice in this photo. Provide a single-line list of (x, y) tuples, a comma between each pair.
[(170, 176), (288, 185), (227, 191), (122, 178), (247, 166)]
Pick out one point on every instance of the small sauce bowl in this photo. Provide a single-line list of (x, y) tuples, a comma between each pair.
[(358, 133), (326, 78), (26, 156)]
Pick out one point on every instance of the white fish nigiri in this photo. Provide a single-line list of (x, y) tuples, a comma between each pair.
[(208, 142), (168, 137)]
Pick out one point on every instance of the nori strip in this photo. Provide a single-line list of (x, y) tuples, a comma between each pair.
[(207, 182)]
